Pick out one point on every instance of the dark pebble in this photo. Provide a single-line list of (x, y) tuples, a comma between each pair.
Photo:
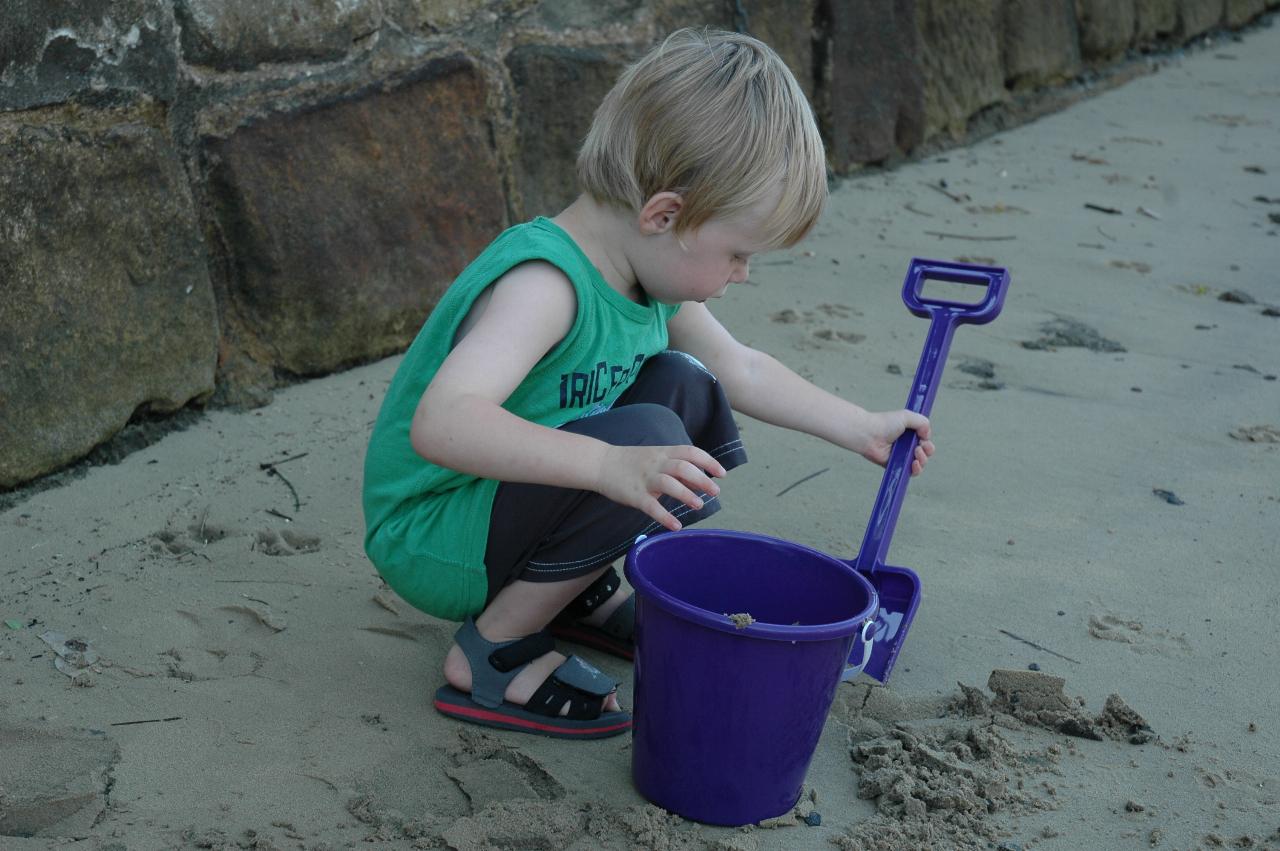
[(813, 819), (1061, 613), (1034, 666), (1168, 496), (1237, 297)]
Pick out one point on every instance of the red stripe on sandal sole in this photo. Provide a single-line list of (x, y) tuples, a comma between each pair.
[(487, 715)]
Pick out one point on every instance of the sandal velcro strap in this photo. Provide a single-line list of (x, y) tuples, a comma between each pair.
[(494, 664), (597, 592), (576, 683), (622, 623), (508, 657)]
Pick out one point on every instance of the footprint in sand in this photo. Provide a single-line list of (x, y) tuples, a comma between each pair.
[(832, 335), (221, 643), (489, 771), (789, 316), (1139, 638), (822, 333), (197, 534), (286, 542)]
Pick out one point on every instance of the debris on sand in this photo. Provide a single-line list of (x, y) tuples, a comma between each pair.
[(939, 786), (1038, 699), (1256, 434), (1068, 333), (1237, 297)]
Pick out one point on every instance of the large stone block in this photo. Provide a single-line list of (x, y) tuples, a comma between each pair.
[(1199, 16), (787, 26), (1039, 41), (670, 15), (571, 15), (1156, 19), (1241, 12), (960, 53), (242, 34), (107, 306), (433, 16), (875, 94), (52, 51), (343, 223), (551, 126), (1106, 28)]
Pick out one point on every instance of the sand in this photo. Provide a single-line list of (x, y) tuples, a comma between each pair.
[(194, 652)]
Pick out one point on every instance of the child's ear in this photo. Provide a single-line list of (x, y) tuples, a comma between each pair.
[(659, 213)]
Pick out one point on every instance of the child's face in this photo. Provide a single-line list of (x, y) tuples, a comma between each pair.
[(701, 264)]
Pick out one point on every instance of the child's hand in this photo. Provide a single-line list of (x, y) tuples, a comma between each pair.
[(637, 475), (881, 430)]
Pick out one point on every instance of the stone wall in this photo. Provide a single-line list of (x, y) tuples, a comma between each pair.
[(201, 200)]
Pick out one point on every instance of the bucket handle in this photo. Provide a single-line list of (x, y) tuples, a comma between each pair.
[(868, 634), (944, 317)]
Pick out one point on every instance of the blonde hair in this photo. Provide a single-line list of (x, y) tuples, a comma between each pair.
[(717, 118)]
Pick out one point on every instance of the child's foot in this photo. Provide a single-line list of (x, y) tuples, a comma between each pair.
[(523, 684), (457, 672)]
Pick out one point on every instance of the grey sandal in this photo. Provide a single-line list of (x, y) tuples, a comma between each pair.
[(495, 664)]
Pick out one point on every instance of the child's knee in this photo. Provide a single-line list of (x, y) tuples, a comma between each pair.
[(678, 368), (650, 424)]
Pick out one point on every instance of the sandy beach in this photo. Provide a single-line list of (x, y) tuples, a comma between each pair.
[(195, 652)]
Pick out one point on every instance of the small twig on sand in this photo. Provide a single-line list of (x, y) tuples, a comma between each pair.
[(937, 187), (907, 206), (270, 468), (1104, 233), (148, 721), (265, 464), (326, 782), (284, 517), (1037, 646), (1110, 211), (942, 235), (802, 481)]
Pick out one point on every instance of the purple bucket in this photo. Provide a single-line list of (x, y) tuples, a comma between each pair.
[(727, 718)]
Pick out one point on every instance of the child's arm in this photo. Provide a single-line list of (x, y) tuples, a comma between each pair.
[(460, 422), (761, 387)]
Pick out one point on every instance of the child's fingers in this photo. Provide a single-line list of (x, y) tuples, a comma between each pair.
[(660, 515), (702, 460), (689, 474), (920, 459), (673, 487), (918, 423)]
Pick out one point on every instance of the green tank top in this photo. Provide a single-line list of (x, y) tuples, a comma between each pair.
[(426, 526)]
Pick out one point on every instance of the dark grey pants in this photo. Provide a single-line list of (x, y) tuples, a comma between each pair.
[(542, 533)]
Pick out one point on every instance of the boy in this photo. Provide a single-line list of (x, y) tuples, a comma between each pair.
[(556, 404)]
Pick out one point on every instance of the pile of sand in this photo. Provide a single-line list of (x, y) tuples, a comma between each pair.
[(958, 781)]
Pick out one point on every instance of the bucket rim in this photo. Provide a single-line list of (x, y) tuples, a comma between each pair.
[(716, 620)]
